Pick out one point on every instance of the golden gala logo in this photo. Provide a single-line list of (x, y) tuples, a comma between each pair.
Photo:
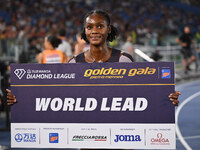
[(117, 73)]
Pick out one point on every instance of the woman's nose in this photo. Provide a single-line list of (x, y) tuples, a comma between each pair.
[(94, 30)]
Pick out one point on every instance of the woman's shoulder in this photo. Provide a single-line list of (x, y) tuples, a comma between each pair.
[(79, 58), (123, 56), (72, 60)]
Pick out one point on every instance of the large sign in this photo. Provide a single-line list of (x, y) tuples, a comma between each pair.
[(93, 105)]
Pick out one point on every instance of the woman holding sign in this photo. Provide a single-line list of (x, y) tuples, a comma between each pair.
[(97, 31)]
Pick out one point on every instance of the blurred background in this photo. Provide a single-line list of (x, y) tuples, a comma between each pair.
[(148, 31)]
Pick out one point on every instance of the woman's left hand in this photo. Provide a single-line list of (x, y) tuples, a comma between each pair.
[(174, 97)]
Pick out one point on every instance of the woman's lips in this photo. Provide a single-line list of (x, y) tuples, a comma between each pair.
[(95, 37)]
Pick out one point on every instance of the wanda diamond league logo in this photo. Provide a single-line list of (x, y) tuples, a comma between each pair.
[(19, 73)]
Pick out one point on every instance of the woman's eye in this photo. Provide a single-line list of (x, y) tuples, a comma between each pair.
[(100, 26), (89, 27)]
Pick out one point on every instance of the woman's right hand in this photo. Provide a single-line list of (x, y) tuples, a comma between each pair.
[(11, 99)]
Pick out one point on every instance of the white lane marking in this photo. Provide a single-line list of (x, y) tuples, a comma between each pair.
[(190, 137), (178, 132)]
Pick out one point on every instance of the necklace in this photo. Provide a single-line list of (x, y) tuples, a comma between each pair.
[(94, 60)]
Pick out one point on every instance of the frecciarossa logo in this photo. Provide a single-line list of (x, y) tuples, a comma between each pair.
[(89, 138)]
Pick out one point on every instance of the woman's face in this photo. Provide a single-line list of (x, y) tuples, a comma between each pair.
[(96, 29)]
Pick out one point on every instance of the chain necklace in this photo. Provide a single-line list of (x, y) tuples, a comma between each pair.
[(94, 60)]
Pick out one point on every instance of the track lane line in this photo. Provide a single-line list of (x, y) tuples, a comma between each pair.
[(191, 137), (178, 132)]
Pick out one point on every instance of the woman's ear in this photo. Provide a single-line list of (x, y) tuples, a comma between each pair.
[(109, 29)]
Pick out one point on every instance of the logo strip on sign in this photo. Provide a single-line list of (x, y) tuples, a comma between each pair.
[(93, 85)]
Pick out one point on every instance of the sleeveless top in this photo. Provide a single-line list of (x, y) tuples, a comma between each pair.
[(52, 56), (116, 56)]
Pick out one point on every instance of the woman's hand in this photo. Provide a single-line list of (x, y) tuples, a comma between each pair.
[(174, 97), (11, 99)]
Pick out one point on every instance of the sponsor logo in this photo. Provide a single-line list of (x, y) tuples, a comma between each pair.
[(47, 74), (89, 138), (160, 140), (110, 73), (19, 73), (127, 138), (25, 137), (53, 138), (166, 74), (18, 137)]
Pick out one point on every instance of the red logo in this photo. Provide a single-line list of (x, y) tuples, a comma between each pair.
[(160, 140)]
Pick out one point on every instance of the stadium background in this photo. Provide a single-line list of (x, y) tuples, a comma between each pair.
[(153, 26)]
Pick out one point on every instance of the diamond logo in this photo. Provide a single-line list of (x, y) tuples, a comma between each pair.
[(19, 73)]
